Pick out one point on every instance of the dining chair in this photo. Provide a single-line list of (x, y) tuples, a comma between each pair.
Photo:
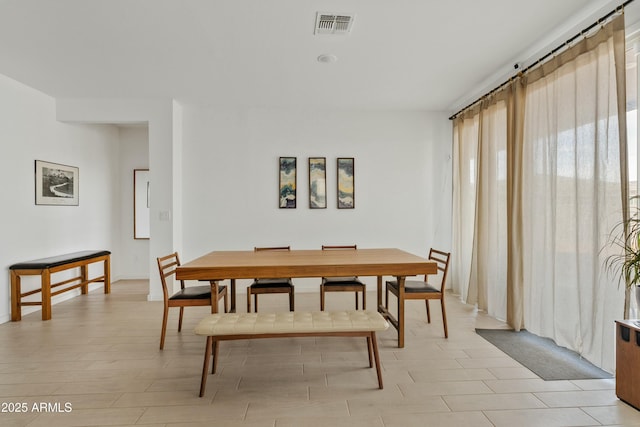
[(270, 286), (187, 296), (342, 284), (416, 289)]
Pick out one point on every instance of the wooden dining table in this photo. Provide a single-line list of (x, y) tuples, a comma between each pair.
[(232, 265)]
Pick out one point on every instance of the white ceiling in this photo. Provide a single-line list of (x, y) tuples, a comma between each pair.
[(400, 54)]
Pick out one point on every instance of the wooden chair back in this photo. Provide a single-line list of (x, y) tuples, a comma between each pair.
[(272, 248), (167, 267), (198, 295), (333, 247), (442, 259), (275, 285)]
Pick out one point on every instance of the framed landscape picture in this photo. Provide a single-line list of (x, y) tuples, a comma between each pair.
[(56, 184), (346, 183), (287, 183), (317, 182)]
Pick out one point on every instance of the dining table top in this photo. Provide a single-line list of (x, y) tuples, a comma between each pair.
[(220, 265)]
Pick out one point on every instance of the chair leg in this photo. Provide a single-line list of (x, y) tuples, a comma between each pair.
[(180, 319), (386, 297), (426, 302), (248, 300), (291, 300), (356, 293), (255, 302), (444, 318), (321, 298), (398, 314), (164, 326), (364, 298), (226, 302), (401, 302)]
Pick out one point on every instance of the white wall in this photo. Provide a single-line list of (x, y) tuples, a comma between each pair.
[(163, 118), (216, 175), (29, 131), (134, 154), (230, 179)]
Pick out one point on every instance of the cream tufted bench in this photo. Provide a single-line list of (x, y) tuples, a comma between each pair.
[(240, 326)]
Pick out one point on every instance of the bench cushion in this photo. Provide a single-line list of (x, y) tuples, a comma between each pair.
[(291, 322), (54, 261)]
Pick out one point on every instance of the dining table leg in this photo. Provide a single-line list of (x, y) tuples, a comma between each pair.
[(401, 311), (396, 322)]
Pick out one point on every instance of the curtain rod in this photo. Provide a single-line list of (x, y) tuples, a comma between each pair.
[(581, 33)]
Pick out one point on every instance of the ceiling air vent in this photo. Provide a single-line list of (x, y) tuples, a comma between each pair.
[(328, 23)]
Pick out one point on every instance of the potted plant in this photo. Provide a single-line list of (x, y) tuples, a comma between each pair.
[(625, 261)]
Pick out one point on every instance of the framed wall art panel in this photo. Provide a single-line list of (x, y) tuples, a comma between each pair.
[(287, 183), (346, 183), (56, 184), (317, 182)]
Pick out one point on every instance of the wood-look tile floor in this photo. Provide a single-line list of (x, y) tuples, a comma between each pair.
[(97, 363)]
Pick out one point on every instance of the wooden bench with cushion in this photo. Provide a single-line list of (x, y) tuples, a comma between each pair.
[(239, 326), (45, 267)]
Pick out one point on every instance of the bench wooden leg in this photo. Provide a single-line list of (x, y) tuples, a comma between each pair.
[(215, 345), (46, 294), (205, 366), (83, 277), (16, 303), (107, 275), (374, 344)]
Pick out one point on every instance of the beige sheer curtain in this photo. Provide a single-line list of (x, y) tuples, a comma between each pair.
[(573, 184), (539, 180), (465, 177), (480, 226)]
